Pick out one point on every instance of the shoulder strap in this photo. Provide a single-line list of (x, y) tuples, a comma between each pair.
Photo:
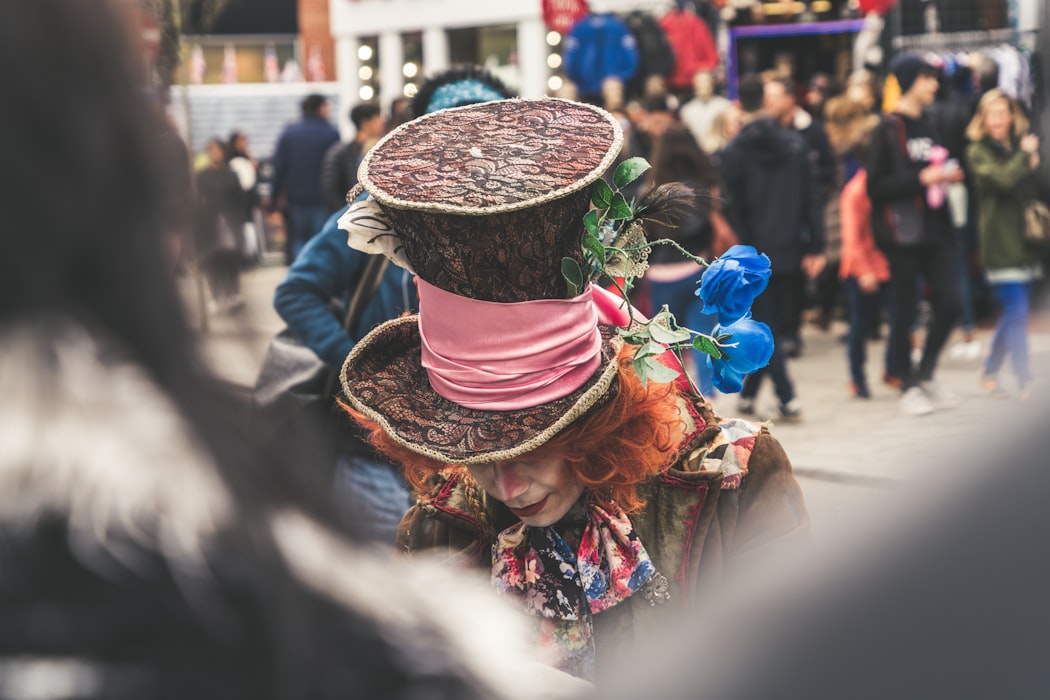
[(366, 288), (902, 138)]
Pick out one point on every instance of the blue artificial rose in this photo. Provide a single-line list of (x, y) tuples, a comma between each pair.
[(748, 347), (731, 283)]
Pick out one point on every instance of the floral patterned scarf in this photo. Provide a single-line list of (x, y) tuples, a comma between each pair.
[(563, 588)]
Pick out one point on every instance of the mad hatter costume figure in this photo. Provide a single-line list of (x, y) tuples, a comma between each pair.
[(543, 444)]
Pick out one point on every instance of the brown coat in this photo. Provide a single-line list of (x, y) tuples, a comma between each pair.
[(718, 502)]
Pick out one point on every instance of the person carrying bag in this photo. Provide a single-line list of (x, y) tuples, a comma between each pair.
[(913, 228), (295, 395)]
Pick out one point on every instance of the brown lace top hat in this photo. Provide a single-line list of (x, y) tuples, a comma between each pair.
[(483, 203)]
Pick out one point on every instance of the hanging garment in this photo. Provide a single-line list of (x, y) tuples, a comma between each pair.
[(655, 56), (599, 47), (694, 47)]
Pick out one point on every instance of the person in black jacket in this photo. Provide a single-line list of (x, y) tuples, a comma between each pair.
[(916, 235), (781, 103), (774, 204), (339, 170)]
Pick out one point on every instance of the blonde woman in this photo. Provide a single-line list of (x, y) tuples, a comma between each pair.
[(1004, 159)]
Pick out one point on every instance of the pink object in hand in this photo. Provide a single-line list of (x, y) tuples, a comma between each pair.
[(935, 194)]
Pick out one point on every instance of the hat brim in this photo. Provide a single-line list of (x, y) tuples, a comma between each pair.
[(384, 379)]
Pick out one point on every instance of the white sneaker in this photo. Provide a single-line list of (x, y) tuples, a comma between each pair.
[(967, 351), (940, 396), (915, 402)]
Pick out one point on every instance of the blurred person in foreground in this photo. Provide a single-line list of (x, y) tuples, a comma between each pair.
[(146, 551), (913, 228), (934, 590), (599, 498), (367, 486), (1004, 164)]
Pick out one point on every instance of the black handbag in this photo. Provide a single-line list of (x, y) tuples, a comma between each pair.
[(900, 222), (295, 389)]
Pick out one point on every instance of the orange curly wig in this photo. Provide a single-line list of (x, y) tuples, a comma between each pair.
[(613, 449)]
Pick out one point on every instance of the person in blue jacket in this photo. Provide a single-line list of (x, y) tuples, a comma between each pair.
[(297, 172), (599, 47), (328, 269)]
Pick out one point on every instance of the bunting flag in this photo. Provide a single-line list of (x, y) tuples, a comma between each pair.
[(229, 64), (271, 68), (315, 66), (197, 65)]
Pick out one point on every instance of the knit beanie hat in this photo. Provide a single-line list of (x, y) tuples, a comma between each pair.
[(908, 67)]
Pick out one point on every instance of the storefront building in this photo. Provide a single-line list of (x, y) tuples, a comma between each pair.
[(385, 48)]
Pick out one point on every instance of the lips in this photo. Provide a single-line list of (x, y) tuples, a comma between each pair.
[(530, 510)]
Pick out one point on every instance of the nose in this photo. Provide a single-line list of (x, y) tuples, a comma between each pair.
[(507, 483)]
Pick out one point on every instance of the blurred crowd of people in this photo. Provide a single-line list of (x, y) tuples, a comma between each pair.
[(818, 176), (265, 572)]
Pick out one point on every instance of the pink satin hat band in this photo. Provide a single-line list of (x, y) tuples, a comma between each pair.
[(490, 356)]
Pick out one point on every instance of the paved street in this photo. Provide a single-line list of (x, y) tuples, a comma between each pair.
[(848, 454)]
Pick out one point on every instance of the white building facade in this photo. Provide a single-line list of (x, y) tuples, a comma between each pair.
[(384, 46)]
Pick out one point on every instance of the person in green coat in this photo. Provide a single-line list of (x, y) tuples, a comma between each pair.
[(1004, 159)]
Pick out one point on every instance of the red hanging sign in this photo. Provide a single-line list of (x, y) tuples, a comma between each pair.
[(879, 7), (561, 15)]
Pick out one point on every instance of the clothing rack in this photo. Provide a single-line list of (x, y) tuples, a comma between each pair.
[(959, 41)]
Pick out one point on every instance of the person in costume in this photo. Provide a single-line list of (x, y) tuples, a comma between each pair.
[(546, 446)]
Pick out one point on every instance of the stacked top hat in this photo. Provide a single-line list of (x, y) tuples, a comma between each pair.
[(483, 203)]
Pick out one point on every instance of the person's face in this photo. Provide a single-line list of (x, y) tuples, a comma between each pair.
[(216, 156), (998, 120), (241, 143), (925, 88), (538, 489), (375, 126), (325, 111), (703, 85), (777, 103)]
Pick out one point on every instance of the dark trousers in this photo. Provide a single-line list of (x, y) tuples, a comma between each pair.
[(864, 311), (304, 221), (773, 307), (938, 265)]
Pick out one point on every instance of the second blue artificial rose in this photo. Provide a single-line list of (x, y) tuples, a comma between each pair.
[(731, 283), (748, 347)]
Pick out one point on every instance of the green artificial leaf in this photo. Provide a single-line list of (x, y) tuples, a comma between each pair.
[(650, 349), (601, 194), (619, 208), (649, 367), (592, 245), (641, 368), (629, 171), (631, 337), (664, 329), (590, 222), (570, 270), (704, 344)]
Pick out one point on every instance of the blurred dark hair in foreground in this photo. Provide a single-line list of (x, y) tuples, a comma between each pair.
[(147, 550)]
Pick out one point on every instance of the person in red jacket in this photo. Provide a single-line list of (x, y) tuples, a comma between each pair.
[(693, 46), (863, 268)]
